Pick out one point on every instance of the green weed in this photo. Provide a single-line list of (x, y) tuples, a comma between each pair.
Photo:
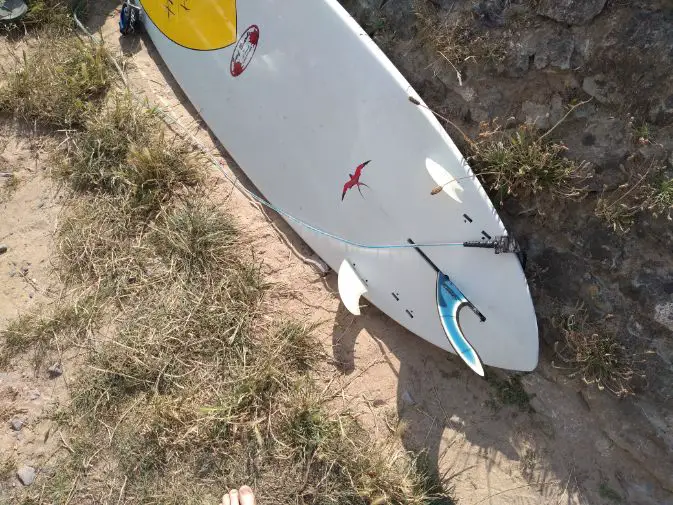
[(523, 164)]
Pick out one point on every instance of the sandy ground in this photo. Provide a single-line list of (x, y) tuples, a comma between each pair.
[(492, 454)]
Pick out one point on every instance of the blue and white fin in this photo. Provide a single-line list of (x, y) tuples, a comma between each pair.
[(351, 287), (450, 302)]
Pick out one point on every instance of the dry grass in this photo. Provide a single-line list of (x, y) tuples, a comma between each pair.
[(195, 238), (47, 330), (191, 382), (649, 191), (454, 39), (124, 152), (57, 82), (7, 466), (523, 164), (661, 202), (593, 354), (54, 16)]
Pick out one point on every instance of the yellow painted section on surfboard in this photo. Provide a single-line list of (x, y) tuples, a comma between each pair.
[(196, 24)]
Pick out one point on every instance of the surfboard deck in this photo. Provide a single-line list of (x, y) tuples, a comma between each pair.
[(321, 122)]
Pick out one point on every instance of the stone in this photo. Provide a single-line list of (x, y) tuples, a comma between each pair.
[(55, 370), (490, 12), (601, 89), (603, 143), (3, 248), (554, 51), (663, 314), (571, 12), (400, 14), (17, 423), (662, 111), (26, 475), (536, 114)]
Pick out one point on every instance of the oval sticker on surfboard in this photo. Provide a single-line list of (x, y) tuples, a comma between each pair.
[(244, 50), (204, 25)]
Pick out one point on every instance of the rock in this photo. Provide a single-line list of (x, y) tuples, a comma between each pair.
[(602, 142), (555, 51), (26, 475), (601, 89), (400, 14), (535, 114), (3, 248), (55, 370), (17, 423), (489, 12), (662, 111), (663, 314), (556, 112), (572, 12)]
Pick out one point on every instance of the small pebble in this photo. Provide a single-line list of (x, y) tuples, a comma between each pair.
[(17, 424), (55, 370), (26, 475), (3, 248)]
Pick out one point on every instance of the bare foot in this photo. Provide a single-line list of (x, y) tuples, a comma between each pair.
[(244, 496)]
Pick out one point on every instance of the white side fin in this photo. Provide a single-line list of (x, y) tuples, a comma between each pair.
[(351, 287), (444, 179)]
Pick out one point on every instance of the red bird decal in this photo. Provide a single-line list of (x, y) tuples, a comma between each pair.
[(354, 181)]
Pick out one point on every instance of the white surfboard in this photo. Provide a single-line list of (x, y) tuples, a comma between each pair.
[(322, 123)]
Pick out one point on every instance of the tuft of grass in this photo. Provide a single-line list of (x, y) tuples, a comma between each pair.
[(57, 82), (648, 191), (527, 462), (54, 14), (123, 151), (661, 201), (454, 40), (523, 164), (195, 238), (596, 356), (642, 134), (608, 493), (7, 468), (41, 332), (47, 16), (510, 391), (96, 247)]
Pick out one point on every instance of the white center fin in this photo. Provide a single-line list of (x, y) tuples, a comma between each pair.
[(444, 179), (351, 287)]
